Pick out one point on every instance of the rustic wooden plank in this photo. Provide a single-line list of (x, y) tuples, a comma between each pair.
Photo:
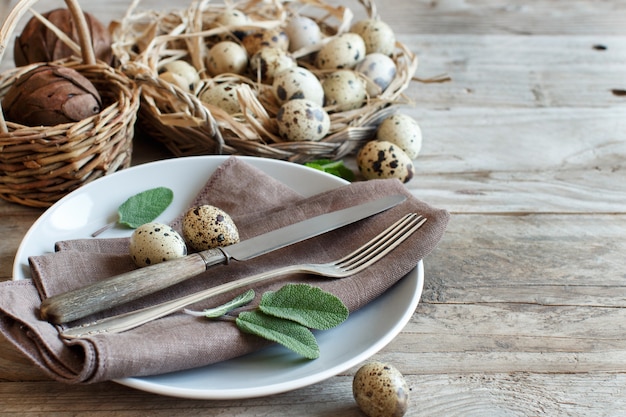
[(457, 394)]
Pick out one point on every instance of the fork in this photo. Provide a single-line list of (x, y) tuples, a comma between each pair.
[(351, 264)]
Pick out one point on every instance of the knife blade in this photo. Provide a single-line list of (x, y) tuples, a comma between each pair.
[(120, 289)]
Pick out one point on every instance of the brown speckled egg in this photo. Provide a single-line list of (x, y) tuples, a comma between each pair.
[(222, 95), (153, 243), (206, 227), (344, 90), (269, 62), (402, 130), (377, 35), (343, 51), (265, 38), (302, 119), (380, 390), (226, 57), (380, 159)]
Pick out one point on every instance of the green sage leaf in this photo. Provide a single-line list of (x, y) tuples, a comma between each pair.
[(336, 168), (212, 313), (310, 306), (288, 333), (144, 207)]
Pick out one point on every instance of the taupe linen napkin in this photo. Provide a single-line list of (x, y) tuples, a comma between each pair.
[(257, 203)]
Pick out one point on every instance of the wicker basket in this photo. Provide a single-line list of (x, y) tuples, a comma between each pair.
[(39, 165), (144, 41)]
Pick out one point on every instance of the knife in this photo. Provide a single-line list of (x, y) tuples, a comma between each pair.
[(111, 292)]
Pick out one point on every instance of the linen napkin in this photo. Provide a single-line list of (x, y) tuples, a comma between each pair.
[(257, 203)]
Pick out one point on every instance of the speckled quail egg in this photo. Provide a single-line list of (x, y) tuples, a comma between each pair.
[(175, 79), (343, 51), (270, 38), (302, 119), (302, 32), (268, 62), (233, 17), (380, 159), (379, 69), (380, 390), (222, 95), (402, 130), (185, 70), (344, 90), (153, 243), (298, 82), (376, 34), (206, 227), (227, 57)]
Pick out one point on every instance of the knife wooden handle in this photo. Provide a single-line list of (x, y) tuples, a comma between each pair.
[(126, 287)]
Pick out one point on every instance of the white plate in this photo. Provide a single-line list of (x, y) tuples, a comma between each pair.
[(270, 371)]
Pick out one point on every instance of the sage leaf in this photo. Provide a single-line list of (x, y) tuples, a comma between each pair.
[(144, 207), (288, 333), (211, 313), (307, 305), (336, 168), (141, 208)]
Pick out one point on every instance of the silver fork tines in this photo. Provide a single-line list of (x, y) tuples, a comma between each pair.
[(351, 264)]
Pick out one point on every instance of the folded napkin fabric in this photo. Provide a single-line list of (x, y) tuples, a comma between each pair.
[(257, 203)]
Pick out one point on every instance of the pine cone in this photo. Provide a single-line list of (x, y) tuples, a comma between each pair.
[(50, 95), (37, 43)]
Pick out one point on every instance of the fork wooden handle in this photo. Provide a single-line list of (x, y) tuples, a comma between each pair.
[(126, 287)]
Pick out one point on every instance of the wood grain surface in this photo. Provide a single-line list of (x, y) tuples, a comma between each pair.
[(523, 311)]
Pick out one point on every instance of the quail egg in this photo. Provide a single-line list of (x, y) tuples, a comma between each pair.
[(185, 70), (227, 57), (153, 243), (301, 119), (233, 18), (175, 79), (380, 159), (376, 34), (270, 38), (268, 62), (380, 390), (302, 32), (344, 90), (402, 130), (222, 95), (207, 227), (379, 69), (343, 51), (298, 82)]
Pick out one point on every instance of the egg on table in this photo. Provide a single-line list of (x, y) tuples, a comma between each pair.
[(207, 227), (380, 390), (153, 243), (301, 119), (402, 130), (380, 159)]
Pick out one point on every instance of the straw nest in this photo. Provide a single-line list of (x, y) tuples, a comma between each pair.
[(145, 41)]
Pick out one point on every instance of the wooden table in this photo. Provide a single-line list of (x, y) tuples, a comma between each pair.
[(523, 311)]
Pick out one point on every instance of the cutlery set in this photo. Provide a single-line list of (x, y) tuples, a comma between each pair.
[(126, 287)]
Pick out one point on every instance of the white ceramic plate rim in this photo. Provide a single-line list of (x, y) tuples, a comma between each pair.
[(272, 370)]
